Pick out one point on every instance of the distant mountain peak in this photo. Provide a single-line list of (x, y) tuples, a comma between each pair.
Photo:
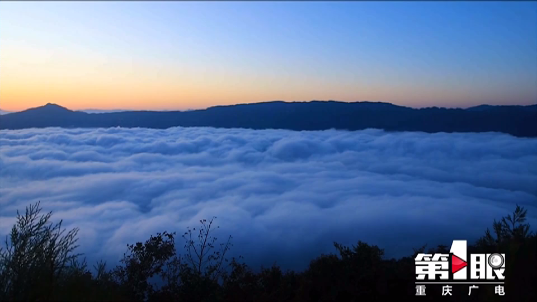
[(480, 107), (51, 107)]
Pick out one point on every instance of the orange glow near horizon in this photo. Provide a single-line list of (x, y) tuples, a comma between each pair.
[(33, 77), (128, 96)]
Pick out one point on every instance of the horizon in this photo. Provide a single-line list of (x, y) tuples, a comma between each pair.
[(176, 56), (97, 110)]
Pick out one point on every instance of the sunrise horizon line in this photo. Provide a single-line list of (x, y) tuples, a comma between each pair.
[(260, 102)]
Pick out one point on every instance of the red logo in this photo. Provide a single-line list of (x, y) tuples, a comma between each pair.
[(457, 264)]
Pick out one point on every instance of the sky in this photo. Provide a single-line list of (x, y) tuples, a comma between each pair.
[(189, 55)]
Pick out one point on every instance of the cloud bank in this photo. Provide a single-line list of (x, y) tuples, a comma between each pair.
[(284, 196)]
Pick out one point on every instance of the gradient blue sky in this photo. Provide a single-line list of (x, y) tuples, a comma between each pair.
[(181, 55)]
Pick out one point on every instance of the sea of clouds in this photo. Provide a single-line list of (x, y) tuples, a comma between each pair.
[(284, 196)]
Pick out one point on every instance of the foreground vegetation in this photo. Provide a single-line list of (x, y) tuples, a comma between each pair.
[(39, 263)]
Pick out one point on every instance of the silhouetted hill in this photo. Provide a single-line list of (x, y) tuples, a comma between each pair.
[(50, 115), (315, 115)]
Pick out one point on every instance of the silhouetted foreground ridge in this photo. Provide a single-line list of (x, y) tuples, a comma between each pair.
[(39, 263), (316, 115)]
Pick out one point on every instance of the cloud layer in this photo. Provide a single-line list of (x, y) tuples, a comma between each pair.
[(284, 196)]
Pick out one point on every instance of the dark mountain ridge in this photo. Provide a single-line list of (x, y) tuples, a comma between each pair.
[(314, 115)]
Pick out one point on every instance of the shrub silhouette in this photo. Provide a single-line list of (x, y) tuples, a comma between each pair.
[(142, 262), (201, 254), (36, 256), (38, 263)]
